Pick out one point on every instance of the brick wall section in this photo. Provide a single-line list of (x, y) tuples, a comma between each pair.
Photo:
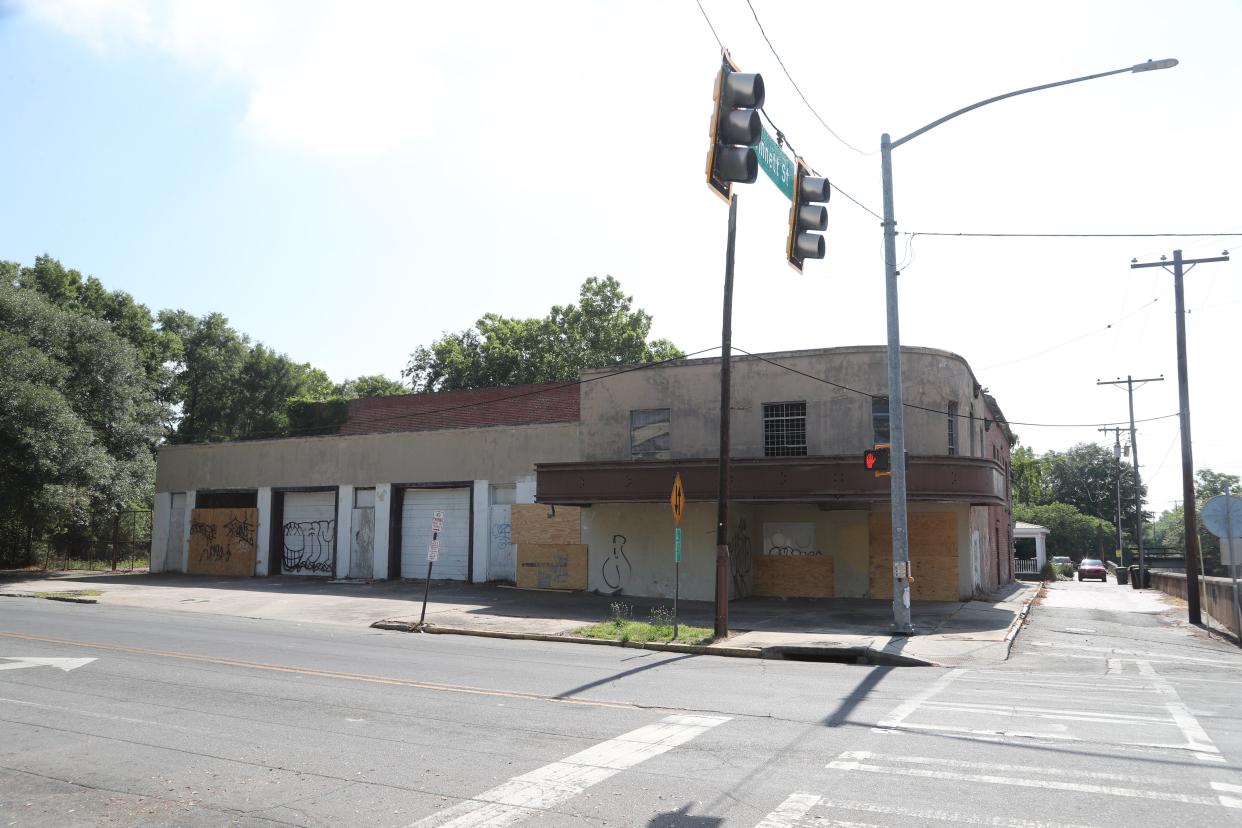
[(476, 408)]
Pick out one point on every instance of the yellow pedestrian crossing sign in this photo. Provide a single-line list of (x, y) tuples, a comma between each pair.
[(678, 499)]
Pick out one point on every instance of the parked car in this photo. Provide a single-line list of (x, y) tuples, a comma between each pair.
[(1062, 560), (1092, 568)]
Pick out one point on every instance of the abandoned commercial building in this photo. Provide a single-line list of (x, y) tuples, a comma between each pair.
[(567, 485)]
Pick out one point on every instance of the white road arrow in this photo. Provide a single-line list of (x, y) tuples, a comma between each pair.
[(65, 664)]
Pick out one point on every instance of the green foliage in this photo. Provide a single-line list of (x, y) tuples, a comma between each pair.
[(375, 385), (310, 417), (601, 330), (1070, 532), (79, 416)]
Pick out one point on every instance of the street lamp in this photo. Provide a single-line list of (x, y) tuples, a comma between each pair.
[(897, 420)]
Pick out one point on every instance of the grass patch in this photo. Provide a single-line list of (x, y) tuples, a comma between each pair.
[(657, 627), (71, 593)]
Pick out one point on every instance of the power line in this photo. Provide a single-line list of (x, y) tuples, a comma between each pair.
[(793, 370), (822, 122), (310, 432), (1071, 341), (1074, 235), (709, 25)]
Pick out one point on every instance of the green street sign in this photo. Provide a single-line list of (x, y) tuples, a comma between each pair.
[(677, 545), (774, 162)]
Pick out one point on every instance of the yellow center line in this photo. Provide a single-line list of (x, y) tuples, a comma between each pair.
[(335, 674)]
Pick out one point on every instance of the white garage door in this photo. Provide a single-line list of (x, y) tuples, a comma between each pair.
[(309, 533), (454, 537)]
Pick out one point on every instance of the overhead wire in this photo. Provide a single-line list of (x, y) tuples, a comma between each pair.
[(1074, 235), (917, 407), (798, 89), (405, 415), (709, 24), (1107, 327)]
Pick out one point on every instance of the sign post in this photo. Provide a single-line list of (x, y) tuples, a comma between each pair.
[(433, 552), (678, 501)]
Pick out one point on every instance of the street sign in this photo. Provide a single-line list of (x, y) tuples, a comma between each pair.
[(773, 161), (678, 499), (437, 521), (1222, 515), (677, 545)]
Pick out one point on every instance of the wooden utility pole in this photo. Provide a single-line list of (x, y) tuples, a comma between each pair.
[(1193, 612)]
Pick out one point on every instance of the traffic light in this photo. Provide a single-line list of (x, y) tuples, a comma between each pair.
[(806, 216), (879, 459), (735, 129)]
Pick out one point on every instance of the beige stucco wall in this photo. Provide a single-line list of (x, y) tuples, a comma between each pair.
[(838, 421), (498, 454), (630, 546)]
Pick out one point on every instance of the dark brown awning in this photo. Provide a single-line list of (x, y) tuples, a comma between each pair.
[(827, 480)]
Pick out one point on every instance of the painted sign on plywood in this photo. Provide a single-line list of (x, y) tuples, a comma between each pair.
[(222, 541), (552, 566)]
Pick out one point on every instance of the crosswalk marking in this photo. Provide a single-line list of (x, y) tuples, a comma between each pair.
[(912, 704), (549, 786), (1228, 801), (1024, 782), (1042, 770), (789, 812), (922, 815), (1196, 737)]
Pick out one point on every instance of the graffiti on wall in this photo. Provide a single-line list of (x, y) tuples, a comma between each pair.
[(501, 562), (308, 546), (790, 540), (222, 542), (617, 568)]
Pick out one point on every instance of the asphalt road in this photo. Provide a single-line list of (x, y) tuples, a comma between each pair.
[(1108, 714)]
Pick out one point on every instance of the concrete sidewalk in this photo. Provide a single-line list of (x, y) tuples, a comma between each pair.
[(950, 633)]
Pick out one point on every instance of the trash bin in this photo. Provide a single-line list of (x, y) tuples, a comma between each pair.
[(1123, 575), (1134, 578)]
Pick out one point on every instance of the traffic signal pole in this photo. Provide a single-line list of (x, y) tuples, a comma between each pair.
[(722, 504)]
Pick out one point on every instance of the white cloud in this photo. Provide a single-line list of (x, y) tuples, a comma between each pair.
[(350, 80)]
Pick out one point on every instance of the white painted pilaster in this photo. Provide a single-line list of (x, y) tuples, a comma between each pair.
[(481, 535), (263, 538), (1041, 550), (526, 489), (162, 511), (183, 564), (344, 528), (383, 511)]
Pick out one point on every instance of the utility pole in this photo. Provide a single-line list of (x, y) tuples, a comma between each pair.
[(1183, 393), (1121, 549), (1138, 479)]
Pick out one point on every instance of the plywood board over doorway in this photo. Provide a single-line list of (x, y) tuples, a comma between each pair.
[(537, 523), (222, 541), (933, 556), (552, 566), (786, 576)]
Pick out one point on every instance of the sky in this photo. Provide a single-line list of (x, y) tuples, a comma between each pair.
[(348, 180)]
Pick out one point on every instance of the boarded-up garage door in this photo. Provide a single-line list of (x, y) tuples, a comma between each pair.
[(309, 533), (416, 509), (933, 556)]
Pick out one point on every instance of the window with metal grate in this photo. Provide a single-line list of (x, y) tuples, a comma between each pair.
[(784, 429)]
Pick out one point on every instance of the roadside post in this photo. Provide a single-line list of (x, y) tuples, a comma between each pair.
[(678, 500), (433, 552), (1222, 515)]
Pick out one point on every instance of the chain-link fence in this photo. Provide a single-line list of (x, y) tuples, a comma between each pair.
[(125, 549)]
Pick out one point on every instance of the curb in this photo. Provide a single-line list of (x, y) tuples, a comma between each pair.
[(1020, 618), (847, 655), (696, 649), (68, 599)]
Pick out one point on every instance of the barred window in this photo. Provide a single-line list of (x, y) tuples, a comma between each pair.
[(649, 434), (784, 429), (952, 421)]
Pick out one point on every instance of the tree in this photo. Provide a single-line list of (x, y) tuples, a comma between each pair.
[(602, 330), (374, 385), (78, 416), (1070, 532)]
